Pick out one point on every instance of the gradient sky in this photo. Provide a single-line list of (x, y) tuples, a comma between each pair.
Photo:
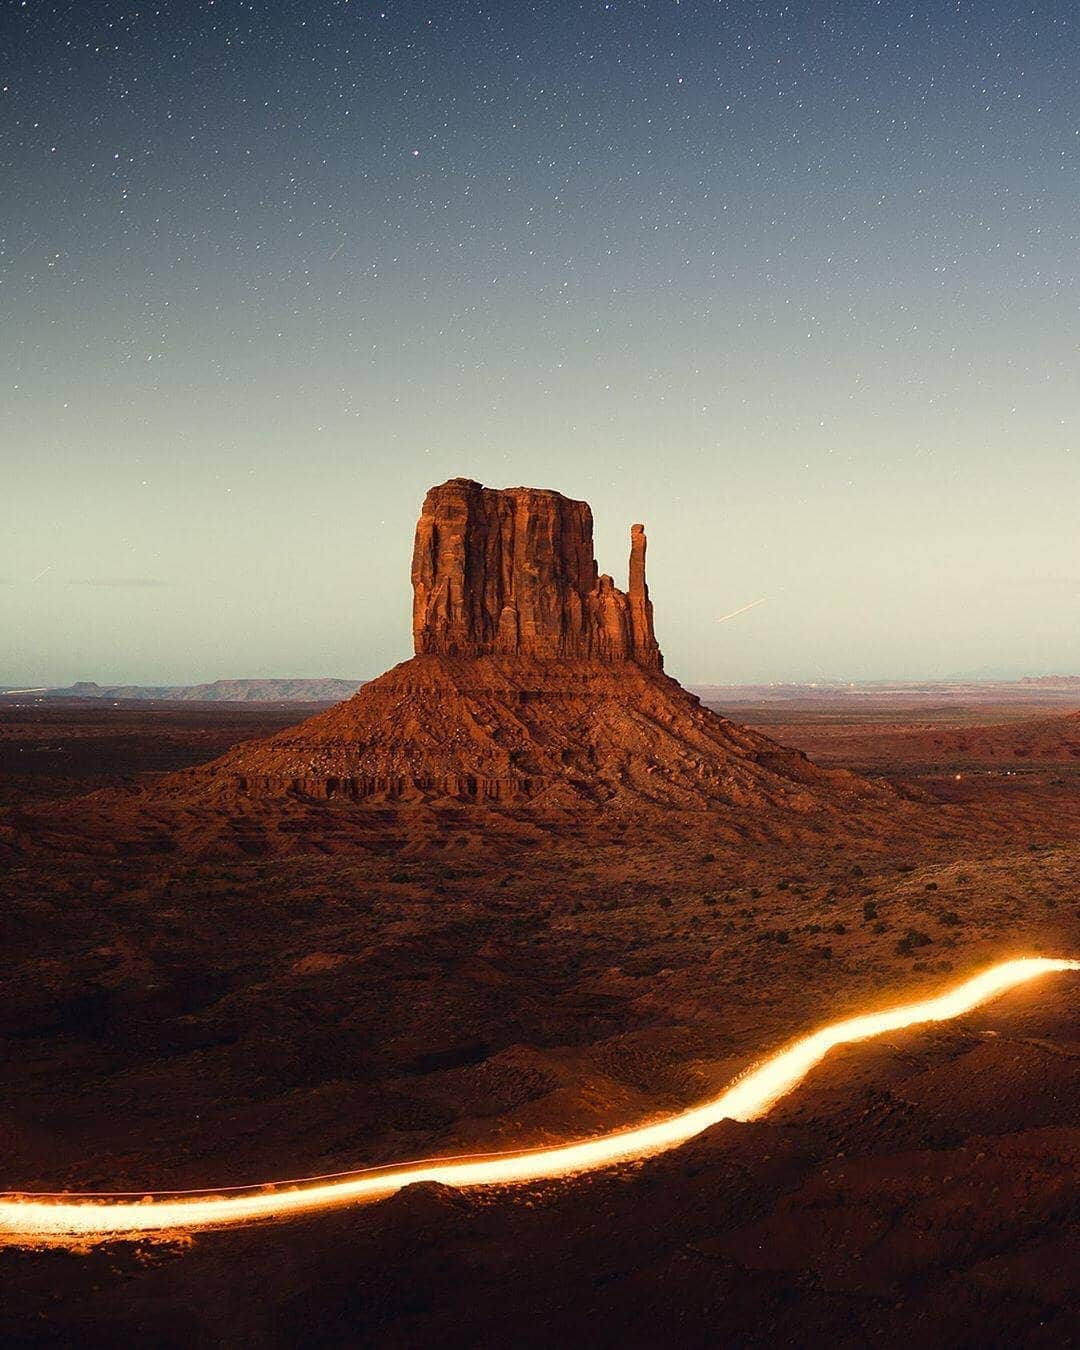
[(795, 284)]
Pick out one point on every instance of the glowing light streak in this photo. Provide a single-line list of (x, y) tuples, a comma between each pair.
[(736, 612), (60, 1218)]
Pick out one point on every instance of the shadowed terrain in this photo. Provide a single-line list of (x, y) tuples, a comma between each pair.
[(192, 1017)]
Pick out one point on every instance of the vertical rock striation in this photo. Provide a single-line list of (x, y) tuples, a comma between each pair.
[(511, 572)]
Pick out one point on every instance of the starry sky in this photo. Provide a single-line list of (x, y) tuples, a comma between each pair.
[(795, 284)]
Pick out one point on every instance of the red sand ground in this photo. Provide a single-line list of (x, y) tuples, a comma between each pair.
[(195, 995)]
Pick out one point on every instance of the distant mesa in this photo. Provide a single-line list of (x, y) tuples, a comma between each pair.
[(537, 682), (1052, 681), (215, 691)]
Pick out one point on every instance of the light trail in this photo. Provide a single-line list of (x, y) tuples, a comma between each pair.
[(65, 1219), (742, 610)]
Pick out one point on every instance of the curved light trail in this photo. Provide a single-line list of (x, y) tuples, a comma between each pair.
[(65, 1218)]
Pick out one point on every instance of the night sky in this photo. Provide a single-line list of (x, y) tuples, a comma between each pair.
[(796, 284)]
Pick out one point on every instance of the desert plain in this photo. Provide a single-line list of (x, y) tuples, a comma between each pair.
[(301, 988)]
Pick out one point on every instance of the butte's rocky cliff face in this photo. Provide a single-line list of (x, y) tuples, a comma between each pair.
[(536, 683), (511, 572)]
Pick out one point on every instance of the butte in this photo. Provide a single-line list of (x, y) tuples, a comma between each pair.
[(537, 686)]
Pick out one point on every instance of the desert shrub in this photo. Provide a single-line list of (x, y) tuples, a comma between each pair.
[(839, 928), (708, 857), (869, 910), (950, 918), (664, 902), (931, 885), (881, 926), (912, 938)]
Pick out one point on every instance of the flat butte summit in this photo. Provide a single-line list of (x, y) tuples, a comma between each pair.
[(537, 683)]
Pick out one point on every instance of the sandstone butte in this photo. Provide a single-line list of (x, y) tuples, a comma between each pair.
[(537, 683), (512, 573)]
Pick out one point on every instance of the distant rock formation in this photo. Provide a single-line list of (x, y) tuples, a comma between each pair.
[(326, 690), (511, 572), (537, 684)]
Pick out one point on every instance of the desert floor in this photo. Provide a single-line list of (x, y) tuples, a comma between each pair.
[(310, 988)]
